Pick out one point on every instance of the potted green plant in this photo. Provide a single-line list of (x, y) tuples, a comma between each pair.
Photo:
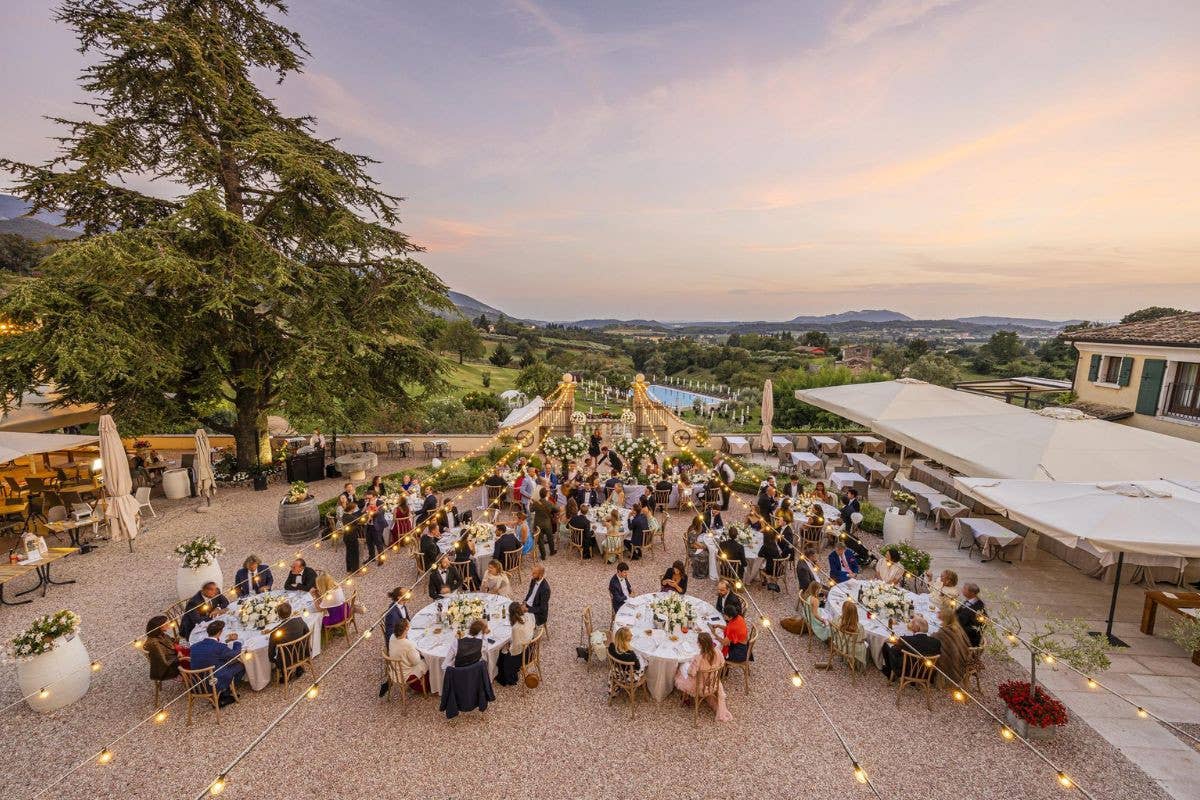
[(198, 565), (260, 473), (299, 516), (52, 663), (1185, 632), (915, 560)]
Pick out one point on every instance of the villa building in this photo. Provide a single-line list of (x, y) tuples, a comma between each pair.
[(1150, 368)]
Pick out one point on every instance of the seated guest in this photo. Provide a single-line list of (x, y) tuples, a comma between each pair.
[(617, 496), (766, 502), (890, 570), (253, 578), (813, 599), (506, 542), (675, 579), (619, 588), (301, 578), (663, 484), (724, 595), (592, 496), (806, 572), (754, 520), (621, 649), (638, 525), (347, 502), (843, 565), (495, 479), (970, 609), (408, 484), (203, 606), (430, 551), (413, 668), (581, 522), (770, 553), (465, 651), (445, 579), (429, 507), (919, 642), (694, 531), (707, 659), (956, 648), (451, 518), (377, 486), (735, 638), (944, 589), (508, 663), (162, 648), (794, 490), (223, 656), (822, 495), (329, 598), (494, 579), (848, 624), (537, 599), (734, 553), (713, 520), (289, 630), (396, 612)]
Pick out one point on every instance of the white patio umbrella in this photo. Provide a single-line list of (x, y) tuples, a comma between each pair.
[(1156, 517), (122, 507), (768, 414), (870, 404), (206, 481)]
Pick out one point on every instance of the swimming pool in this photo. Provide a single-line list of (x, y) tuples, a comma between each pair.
[(679, 398)]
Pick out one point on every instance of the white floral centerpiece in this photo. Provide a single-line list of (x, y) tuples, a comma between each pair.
[(673, 612), (904, 500), (259, 612), (41, 636), (565, 448), (199, 552), (628, 417), (479, 531), (742, 532), (885, 600), (463, 611), (602, 511)]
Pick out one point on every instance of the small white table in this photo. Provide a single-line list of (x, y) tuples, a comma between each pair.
[(808, 463), (844, 480), (989, 537), (825, 444)]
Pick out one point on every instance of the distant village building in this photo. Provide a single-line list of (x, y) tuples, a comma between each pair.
[(1150, 368), (856, 357)]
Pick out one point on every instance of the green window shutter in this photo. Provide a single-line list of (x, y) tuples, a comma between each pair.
[(1126, 371), (1153, 370), (1094, 369)]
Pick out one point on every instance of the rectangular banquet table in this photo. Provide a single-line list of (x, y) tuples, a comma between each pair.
[(737, 445), (1183, 603), (989, 537), (938, 506), (870, 468), (782, 444), (808, 463), (844, 480), (869, 444), (915, 488), (825, 444)]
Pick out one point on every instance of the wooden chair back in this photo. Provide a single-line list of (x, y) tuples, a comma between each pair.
[(292, 656), (974, 667), (513, 561), (464, 572), (495, 496), (917, 670), (576, 539), (845, 644), (201, 684), (531, 658), (708, 684), (712, 496), (624, 677)]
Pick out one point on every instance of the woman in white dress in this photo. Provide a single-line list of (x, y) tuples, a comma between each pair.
[(617, 495), (508, 664), (890, 570), (494, 580), (413, 668)]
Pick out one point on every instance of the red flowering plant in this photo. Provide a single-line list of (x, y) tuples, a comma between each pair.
[(1031, 705)]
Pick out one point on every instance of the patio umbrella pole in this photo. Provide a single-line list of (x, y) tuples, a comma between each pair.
[(1112, 606)]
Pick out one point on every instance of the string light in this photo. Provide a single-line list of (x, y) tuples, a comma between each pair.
[(218, 785), (797, 680), (1065, 780), (312, 692), (1006, 733), (105, 757), (1141, 712), (161, 716), (95, 666), (860, 774)]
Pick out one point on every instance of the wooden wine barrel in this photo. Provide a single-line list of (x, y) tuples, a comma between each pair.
[(299, 522)]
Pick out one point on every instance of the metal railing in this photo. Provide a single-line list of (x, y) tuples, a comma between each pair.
[(1183, 401)]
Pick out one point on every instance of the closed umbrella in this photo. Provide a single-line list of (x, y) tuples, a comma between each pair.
[(122, 508), (768, 414), (206, 481)]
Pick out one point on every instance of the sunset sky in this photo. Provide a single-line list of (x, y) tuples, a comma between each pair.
[(756, 160)]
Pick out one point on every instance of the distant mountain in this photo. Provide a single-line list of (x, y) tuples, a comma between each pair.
[(866, 315), (35, 230), (12, 207), (1019, 322), (471, 307)]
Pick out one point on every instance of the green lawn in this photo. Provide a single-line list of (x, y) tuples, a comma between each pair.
[(468, 377)]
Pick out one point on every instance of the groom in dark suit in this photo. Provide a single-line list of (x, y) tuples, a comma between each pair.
[(537, 599)]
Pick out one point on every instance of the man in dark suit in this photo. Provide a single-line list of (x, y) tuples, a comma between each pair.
[(619, 588), (537, 599), (724, 592), (289, 630), (584, 524), (805, 571), (794, 489), (445, 579), (430, 552), (465, 651), (203, 606), (735, 554), (253, 578), (429, 506), (396, 611), (614, 461), (639, 523), (301, 577), (767, 503), (223, 656), (506, 542), (713, 521), (843, 565), (969, 611), (451, 518), (495, 479), (919, 641), (853, 506), (375, 525), (612, 481)]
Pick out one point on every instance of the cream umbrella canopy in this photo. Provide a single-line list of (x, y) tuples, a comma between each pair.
[(206, 482), (768, 414), (122, 507)]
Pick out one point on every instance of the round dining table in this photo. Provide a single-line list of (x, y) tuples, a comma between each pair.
[(660, 651), (712, 540), (254, 641), (485, 549), (432, 637), (876, 629)]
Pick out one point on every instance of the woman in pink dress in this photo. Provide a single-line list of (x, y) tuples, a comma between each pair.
[(709, 657)]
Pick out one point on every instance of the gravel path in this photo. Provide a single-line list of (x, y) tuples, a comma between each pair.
[(560, 740)]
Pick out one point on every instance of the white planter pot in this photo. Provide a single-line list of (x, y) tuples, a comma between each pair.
[(898, 527), (188, 581), (65, 672)]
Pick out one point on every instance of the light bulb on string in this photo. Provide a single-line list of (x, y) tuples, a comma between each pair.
[(218, 785), (105, 757), (1141, 712), (312, 692), (860, 774), (797, 680), (1065, 781), (161, 716), (1006, 733)]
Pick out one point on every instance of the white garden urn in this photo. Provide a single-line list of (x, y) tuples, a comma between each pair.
[(898, 527), (64, 672), (188, 580)]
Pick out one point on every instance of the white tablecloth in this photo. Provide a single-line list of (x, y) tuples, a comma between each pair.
[(433, 638), (254, 642), (989, 536), (697, 495), (876, 629), (782, 444), (809, 463), (658, 651), (484, 550), (825, 444), (753, 562), (844, 480)]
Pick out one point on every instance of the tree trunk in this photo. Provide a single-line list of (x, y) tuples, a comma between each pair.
[(250, 431)]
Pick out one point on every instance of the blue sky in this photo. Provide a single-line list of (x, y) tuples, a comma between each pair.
[(703, 160)]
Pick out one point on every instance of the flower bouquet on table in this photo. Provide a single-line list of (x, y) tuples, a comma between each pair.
[(602, 511), (904, 500), (41, 635), (673, 612), (199, 552), (479, 531), (740, 531), (885, 600), (259, 612), (463, 611)]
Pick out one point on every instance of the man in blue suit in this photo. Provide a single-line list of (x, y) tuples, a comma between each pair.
[(225, 656), (843, 565)]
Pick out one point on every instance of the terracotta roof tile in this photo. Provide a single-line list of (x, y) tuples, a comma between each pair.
[(1182, 330)]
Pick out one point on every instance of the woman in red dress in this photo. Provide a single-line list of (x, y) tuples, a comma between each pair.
[(403, 523)]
